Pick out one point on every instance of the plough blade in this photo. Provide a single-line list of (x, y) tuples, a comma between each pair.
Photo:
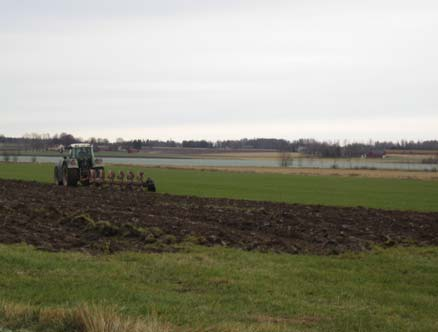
[(124, 180), (96, 177)]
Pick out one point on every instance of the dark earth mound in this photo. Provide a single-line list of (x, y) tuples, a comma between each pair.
[(104, 220)]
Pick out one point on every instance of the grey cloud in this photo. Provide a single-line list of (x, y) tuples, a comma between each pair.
[(263, 65)]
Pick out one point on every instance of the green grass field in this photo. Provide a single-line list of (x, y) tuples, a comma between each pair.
[(220, 289), (327, 190)]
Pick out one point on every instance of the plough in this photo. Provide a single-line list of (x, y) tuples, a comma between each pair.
[(124, 180)]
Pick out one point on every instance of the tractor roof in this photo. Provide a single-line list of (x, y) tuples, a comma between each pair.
[(79, 145)]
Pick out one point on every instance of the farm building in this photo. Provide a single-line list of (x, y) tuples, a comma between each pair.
[(375, 154)]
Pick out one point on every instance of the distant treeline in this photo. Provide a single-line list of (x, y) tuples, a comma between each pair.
[(309, 146)]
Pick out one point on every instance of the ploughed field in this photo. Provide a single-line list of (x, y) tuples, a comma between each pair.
[(105, 220)]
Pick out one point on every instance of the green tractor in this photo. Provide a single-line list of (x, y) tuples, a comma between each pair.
[(79, 165)]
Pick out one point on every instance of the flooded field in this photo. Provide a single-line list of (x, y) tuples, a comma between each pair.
[(295, 163)]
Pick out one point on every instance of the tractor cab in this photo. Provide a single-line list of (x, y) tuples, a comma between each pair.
[(80, 152), (83, 154)]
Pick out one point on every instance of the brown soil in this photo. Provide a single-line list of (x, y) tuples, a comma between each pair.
[(99, 220)]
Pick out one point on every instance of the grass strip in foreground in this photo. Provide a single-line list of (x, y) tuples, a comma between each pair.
[(218, 289)]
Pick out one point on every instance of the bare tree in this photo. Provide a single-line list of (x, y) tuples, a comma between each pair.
[(285, 158)]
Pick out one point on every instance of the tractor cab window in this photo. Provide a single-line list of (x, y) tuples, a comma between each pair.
[(83, 153)]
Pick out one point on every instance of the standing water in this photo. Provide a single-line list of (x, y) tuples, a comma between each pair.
[(296, 163)]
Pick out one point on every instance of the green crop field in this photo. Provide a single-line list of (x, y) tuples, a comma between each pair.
[(217, 289), (229, 290), (328, 190)]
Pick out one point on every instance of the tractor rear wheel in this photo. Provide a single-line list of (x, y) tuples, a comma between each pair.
[(85, 182), (70, 176), (55, 177)]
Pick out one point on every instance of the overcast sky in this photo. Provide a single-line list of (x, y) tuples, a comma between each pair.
[(220, 69)]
